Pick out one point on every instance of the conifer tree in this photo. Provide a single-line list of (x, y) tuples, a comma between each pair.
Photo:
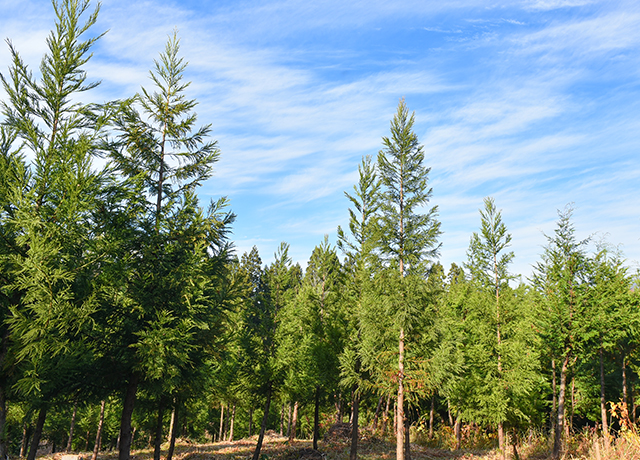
[(410, 237), (362, 261), (47, 203), (560, 279)]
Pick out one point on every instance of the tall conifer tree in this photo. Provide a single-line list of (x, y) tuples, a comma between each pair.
[(410, 235)]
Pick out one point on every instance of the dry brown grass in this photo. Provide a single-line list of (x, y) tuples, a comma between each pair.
[(580, 447)]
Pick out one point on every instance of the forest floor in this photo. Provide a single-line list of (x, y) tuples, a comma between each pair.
[(276, 447)]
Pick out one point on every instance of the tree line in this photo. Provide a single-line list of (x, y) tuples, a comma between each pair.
[(124, 311)]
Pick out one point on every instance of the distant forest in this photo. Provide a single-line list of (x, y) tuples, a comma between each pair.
[(126, 318)]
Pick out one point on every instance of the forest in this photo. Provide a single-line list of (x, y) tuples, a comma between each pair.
[(127, 318)]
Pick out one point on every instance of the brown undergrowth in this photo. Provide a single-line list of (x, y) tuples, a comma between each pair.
[(583, 446)]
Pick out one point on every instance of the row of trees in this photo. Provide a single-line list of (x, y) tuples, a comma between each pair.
[(122, 303)]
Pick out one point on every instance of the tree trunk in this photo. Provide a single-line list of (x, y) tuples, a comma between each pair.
[(282, 420), (400, 409), (289, 420), (501, 446), (157, 443), (431, 414), (603, 401), (557, 441), (4, 346), (316, 419), (25, 439), (554, 392), (338, 404), (233, 419), (174, 429), (458, 432), (263, 427), (294, 422), (35, 441), (625, 397), (407, 439), (573, 403), (374, 425), (385, 417), (221, 432), (126, 434), (355, 407), (96, 446), (71, 426), (449, 413)]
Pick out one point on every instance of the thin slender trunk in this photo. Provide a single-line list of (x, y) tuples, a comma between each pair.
[(294, 422), (400, 410), (503, 452), (126, 433), (37, 434), (355, 407), (573, 402), (449, 413), (157, 444), (557, 441), (72, 426), (96, 446), (263, 427), (385, 418), (220, 433), (174, 429), (458, 432), (25, 439), (625, 397), (233, 419), (282, 420), (316, 419), (374, 425), (338, 404), (431, 414), (289, 420), (86, 446), (173, 417), (603, 401), (4, 346), (554, 406), (407, 439)]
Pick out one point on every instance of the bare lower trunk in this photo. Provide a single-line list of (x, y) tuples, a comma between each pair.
[(554, 393), (316, 419), (174, 430), (385, 418), (263, 427), (355, 407), (126, 433), (25, 439), (431, 414), (625, 397), (157, 443), (374, 425), (407, 439), (400, 409), (503, 450), (449, 413), (294, 422), (289, 420), (458, 432), (4, 347), (96, 446), (573, 404), (221, 432), (37, 434), (233, 419), (557, 441), (71, 427), (282, 420), (603, 401)]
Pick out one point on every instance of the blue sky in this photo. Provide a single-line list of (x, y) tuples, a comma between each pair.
[(533, 102)]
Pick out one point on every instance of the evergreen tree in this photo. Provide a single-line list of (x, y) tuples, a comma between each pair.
[(48, 251), (361, 264), (410, 237), (560, 279)]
